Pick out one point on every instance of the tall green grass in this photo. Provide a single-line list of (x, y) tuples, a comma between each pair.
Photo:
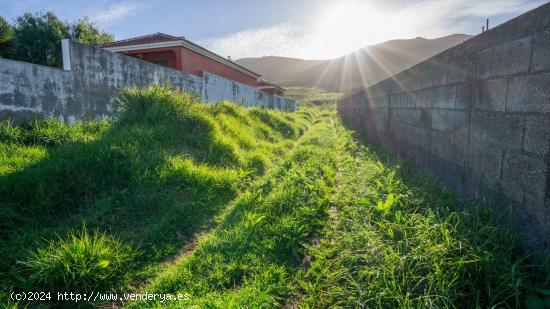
[(146, 182), (251, 258), (243, 208), (399, 241), (80, 263)]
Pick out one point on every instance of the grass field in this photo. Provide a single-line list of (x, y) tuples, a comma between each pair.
[(236, 208), (312, 97)]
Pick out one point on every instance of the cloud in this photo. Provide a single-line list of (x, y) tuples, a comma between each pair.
[(117, 12), (362, 24), (279, 40), (443, 17)]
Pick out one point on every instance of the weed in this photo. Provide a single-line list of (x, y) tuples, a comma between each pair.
[(79, 263)]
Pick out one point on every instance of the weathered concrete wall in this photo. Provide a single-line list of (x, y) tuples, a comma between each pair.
[(478, 116), (90, 79), (283, 104), (216, 88), (24, 87)]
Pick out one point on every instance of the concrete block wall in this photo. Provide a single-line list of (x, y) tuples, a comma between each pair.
[(92, 76), (216, 88), (478, 116)]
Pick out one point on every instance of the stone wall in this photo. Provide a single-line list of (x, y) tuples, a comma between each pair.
[(478, 116), (92, 76)]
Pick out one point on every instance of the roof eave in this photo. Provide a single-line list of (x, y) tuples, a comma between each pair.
[(188, 45)]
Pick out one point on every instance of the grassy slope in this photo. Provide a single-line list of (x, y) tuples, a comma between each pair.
[(394, 240), (152, 179), (310, 221), (251, 259)]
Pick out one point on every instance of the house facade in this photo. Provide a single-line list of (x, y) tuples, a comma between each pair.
[(186, 56)]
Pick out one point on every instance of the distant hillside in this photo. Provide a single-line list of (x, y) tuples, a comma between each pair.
[(278, 69), (372, 63)]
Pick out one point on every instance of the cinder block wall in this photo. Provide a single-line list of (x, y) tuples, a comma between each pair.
[(478, 116)]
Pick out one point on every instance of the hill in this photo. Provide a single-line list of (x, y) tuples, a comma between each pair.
[(278, 69), (372, 63)]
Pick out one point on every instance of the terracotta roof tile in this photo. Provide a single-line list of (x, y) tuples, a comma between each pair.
[(147, 39)]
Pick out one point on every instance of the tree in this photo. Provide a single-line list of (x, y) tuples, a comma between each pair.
[(6, 35), (85, 31), (38, 37)]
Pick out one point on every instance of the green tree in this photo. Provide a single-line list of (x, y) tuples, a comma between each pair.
[(37, 38), (6, 35), (85, 31)]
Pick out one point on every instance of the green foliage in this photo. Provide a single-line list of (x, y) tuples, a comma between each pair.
[(312, 96), (37, 37), (276, 123), (244, 208), (85, 31), (49, 132), (80, 263), (401, 242), (6, 35), (249, 260), (155, 177)]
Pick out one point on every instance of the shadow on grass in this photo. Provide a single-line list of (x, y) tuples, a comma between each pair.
[(153, 179), (471, 253)]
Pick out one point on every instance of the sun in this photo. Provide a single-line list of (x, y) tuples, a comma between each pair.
[(346, 26)]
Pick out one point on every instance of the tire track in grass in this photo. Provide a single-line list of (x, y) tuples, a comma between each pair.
[(199, 236), (250, 259), (293, 300)]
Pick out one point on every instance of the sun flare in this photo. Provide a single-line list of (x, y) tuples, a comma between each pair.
[(347, 26)]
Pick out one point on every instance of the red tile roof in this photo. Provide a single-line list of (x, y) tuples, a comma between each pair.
[(165, 38), (146, 39), (270, 84), (162, 38)]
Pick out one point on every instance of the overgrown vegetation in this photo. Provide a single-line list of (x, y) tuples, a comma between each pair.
[(251, 258), (80, 263), (401, 242), (150, 180), (240, 208)]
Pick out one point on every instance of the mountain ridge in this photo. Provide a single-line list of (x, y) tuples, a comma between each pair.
[(356, 69)]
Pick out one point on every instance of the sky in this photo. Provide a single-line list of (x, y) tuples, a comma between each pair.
[(308, 29)]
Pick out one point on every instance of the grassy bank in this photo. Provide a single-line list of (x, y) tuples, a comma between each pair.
[(144, 185), (238, 208), (251, 258)]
